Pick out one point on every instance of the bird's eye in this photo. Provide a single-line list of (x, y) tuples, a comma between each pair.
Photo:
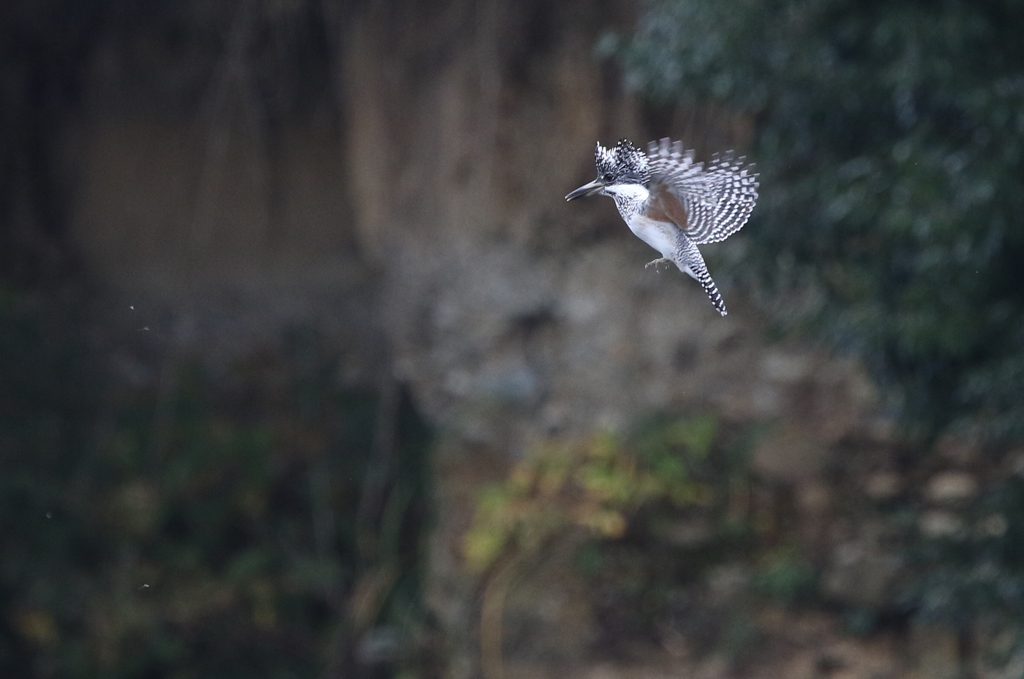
[(607, 177)]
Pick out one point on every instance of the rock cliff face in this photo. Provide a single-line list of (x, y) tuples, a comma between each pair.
[(499, 298), (416, 212), (423, 198)]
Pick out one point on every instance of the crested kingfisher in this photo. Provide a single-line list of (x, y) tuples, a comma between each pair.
[(674, 204)]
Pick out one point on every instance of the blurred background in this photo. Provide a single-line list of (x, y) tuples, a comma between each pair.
[(308, 370)]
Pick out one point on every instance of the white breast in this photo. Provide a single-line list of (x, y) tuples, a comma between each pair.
[(659, 235), (629, 199)]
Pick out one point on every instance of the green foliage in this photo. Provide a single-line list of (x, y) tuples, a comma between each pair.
[(649, 516), (979, 570), (220, 525), (785, 576), (890, 138), (595, 485)]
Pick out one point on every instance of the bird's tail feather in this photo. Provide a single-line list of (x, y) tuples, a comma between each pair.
[(711, 290), (692, 263)]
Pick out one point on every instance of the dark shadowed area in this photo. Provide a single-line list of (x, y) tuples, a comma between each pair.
[(308, 370)]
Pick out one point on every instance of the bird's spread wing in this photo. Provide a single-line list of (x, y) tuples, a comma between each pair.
[(673, 167), (688, 258), (709, 203)]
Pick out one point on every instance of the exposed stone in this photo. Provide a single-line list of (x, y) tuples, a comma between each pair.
[(728, 582), (1015, 459), (994, 525), (857, 659), (883, 486), (957, 448), (861, 574), (940, 524), (687, 533), (789, 368), (789, 454), (936, 651), (880, 429), (814, 497), (547, 615), (380, 645), (950, 488)]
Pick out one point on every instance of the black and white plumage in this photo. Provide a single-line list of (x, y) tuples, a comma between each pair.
[(675, 204)]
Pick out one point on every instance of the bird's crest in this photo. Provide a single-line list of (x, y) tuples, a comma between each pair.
[(624, 163)]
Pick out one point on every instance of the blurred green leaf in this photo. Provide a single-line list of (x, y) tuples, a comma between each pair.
[(890, 141), (189, 537)]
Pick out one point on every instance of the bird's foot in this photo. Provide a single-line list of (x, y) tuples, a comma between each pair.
[(656, 262)]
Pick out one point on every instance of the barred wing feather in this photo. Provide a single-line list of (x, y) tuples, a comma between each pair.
[(717, 199)]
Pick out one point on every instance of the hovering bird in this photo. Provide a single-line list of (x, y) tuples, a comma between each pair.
[(674, 204)]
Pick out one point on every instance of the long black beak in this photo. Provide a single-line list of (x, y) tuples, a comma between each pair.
[(586, 190)]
